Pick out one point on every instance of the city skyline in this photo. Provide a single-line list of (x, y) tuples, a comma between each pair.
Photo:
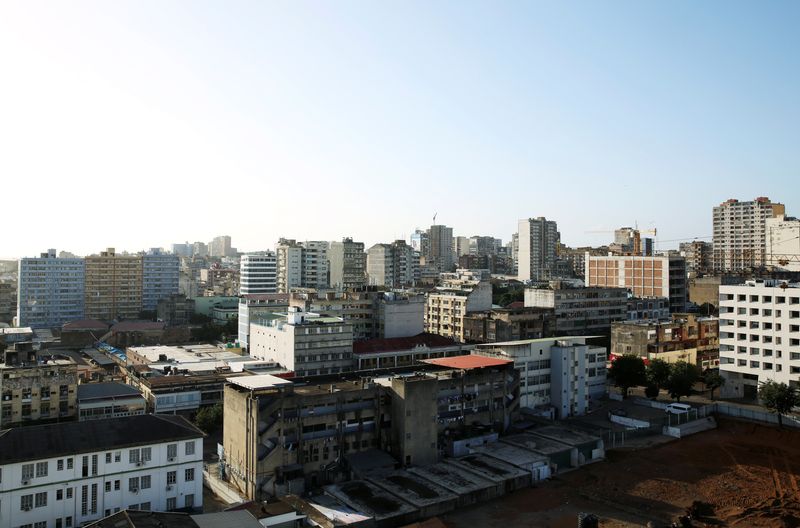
[(147, 125)]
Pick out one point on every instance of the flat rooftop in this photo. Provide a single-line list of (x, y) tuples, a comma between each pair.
[(467, 362), (412, 488), (94, 391), (452, 477), (186, 354), (565, 435), (538, 340), (367, 497), (539, 444), (513, 454), (259, 381), (336, 511), (487, 467)]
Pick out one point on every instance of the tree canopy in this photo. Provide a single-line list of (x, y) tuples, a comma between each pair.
[(682, 378), (627, 371), (779, 398)]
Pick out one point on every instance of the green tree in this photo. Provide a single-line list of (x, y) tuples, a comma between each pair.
[(779, 398), (209, 419), (682, 378), (627, 371), (658, 372), (713, 380), (651, 391)]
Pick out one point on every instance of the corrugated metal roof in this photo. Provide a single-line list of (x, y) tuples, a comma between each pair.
[(467, 362)]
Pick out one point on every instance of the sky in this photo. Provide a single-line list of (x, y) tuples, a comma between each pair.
[(140, 124)]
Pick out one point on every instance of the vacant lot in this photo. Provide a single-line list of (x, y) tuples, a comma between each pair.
[(748, 475)]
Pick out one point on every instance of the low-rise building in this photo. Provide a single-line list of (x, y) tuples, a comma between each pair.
[(580, 311), (261, 306), (36, 388), (306, 343), (405, 351), (282, 435), (400, 315), (509, 324), (109, 400), (70, 473), (175, 310), (686, 337), (564, 374), (640, 309), (759, 336), (83, 333), (448, 304), (357, 308)]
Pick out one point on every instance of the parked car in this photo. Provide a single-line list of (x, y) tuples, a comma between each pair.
[(678, 408)]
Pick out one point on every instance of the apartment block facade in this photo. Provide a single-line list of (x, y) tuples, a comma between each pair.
[(564, 374), (160, 277), (258, 273), (305, 343), (740, 233), (448, 304), (538, 240), (50, 290), (759, 335), (394, 265), (641, 276), (99, 467), (348, 264), (113, 286), (580, 311), (301, 265), (783, 243)]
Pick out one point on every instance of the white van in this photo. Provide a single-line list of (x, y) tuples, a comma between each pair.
[(678, 408)]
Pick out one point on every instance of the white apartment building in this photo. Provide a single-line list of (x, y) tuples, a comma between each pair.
[(258, 307), (68, 474), (561, 373), (740, 233), (759, 325), (394, 265), (258, 273), (306, 343), (536, 256), (50, 290), (783, 243), (301, 265)]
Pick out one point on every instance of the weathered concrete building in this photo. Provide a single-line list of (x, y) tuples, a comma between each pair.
[(580, 311)]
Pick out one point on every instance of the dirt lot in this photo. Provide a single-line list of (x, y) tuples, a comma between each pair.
[(748, 474)]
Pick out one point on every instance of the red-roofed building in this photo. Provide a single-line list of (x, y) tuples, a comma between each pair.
[(468, 362), (405, 351)]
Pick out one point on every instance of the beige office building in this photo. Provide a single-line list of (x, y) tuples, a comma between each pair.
[(113, 286)]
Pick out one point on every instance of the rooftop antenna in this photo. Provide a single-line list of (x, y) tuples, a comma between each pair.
[(434, 218)]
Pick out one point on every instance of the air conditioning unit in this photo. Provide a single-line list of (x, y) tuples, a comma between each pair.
[(26, 482), (169, 488), (139, 463), (134, 490), (171, 459), (26, 508)]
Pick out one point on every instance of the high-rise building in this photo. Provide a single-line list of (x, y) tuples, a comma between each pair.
[(580, 311), (50, 290), (8, 300), (448, 304), (740, 233), (759, 323), (460, 247), (220, 246), (783, 243), (348, 264), (698, 256), (160, 277), (199, 249), (113, 286), (301, 265), (440, 248), (258, 273), (484, 245), (538, 243), (394, 265), (642, 276), (182, 250)]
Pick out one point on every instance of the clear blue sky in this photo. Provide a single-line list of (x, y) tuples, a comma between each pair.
[(137, 124)]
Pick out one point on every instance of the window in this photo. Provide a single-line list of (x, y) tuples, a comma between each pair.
[(189, 475), (145, 482), (133, 484), (133, 456), (41, 469), (117, 485), (59, 494), (108, 458), (85, 467), (69, 493), (171, 503), (41, 499), (59, 523), (117, 456), (60, 465), (145, 506), (40, 524), (189, 501), (108, 486), (146, 454), (68, 522), (94, 465), (27, 471), (172, 477), (172, 451), (26, 502), (189, 448), (69, 466)]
